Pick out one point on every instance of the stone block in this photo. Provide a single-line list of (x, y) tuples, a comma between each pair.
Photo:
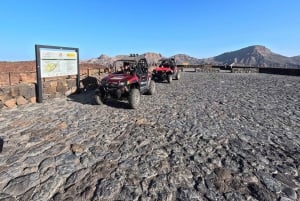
[(10, 103), (4, 94), (71, 83), (33, 100), (4, 79), (27, 90), (53, 83), (50, 83), (28, 77), (49, 87), (14, 91), (21, 100), (93, 72), (3, 97), (48, 90), (68, 93), (83, 72), (14, 78), (61, 86)]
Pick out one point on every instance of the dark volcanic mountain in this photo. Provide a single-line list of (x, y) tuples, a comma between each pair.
[(257, 55)]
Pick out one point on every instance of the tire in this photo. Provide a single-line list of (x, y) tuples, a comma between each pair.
[(153, 77), (177, 75), (152, 88), (99, 98), (170, 78), (134, 98)]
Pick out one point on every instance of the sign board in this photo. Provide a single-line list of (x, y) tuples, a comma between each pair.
[(53, 61), (58, 63)]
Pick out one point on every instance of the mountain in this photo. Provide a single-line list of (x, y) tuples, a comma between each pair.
[(256, 55), (152, 59), (182, 59), (296, 59)]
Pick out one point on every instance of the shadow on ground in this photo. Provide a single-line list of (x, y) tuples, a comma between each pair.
[(1, 144), (117, 104), (83, 97), (88, 97), (163, 81)]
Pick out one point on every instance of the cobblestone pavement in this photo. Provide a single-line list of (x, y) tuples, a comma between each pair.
[(206, 137)]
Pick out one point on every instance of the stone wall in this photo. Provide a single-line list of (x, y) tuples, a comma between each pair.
[(11, 96), (205, 69), (18, 82), (244, 70), (281, 71)]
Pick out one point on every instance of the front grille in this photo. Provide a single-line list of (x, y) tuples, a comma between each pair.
[(113, 85)]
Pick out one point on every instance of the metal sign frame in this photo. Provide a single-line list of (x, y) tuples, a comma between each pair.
[(38, 49)]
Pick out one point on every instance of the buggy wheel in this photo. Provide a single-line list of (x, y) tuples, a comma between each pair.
[(134, 98), (99, 98), (170, 78), (152, 88), (177, 75)]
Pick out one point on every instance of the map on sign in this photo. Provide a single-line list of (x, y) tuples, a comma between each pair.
[(58, 63)]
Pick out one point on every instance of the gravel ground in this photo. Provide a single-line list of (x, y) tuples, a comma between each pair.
[(208, 136)]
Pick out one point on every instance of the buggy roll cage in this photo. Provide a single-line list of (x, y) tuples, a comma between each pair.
[(167, 62), (137, 63)]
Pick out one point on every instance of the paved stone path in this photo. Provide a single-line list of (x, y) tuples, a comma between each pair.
[(206, 137)]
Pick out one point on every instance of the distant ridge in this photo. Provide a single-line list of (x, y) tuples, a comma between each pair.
[(186, 59), (152, 58), (256, 55)]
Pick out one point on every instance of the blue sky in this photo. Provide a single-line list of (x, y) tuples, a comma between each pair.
[(198, 28)]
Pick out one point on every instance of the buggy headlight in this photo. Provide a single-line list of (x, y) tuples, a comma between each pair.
[(122, 83)]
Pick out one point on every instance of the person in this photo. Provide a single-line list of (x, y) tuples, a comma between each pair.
[(126, 68)]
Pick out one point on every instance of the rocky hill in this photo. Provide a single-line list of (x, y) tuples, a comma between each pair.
[(186, 59), (256, 55), (296, 59), (152, 58), (105, 60)]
